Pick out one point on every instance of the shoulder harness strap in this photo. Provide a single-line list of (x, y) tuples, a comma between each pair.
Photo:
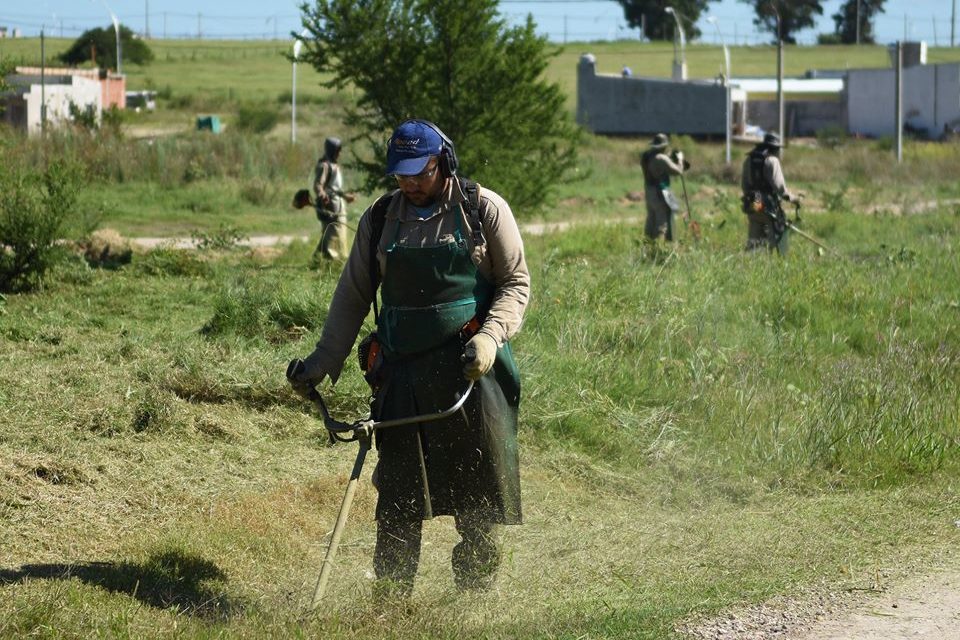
[(472, 189), (378, 217)]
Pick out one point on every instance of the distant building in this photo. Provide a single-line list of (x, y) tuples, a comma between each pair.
[(58, 88), (931, 97), (633, 105), (859, 101)]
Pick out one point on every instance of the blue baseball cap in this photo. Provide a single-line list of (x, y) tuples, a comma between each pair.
[(410, 148)]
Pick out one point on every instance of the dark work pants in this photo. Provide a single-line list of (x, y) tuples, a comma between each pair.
[(475, 560)]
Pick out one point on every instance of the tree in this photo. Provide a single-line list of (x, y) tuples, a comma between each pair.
[(657, 23), (100, 46), (455, 63), (846, 20), (795, 15)]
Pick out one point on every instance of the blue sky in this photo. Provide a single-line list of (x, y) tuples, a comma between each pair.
[(590, 20)]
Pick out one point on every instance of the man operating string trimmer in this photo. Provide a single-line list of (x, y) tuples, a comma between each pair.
[(447, 257)]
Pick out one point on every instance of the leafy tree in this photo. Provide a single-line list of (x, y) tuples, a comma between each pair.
[(795, 15), (101, 45), (660, 25), (456, 63), (846, 20)]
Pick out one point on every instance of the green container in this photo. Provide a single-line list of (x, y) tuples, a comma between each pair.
[(209, 123)]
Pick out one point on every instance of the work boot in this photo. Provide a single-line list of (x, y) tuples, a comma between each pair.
[(476, 557), (396, 557)]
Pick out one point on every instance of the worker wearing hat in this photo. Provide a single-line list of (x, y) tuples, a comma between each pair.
[(453, 280), (658, 165), (764, 188), (330, 202)]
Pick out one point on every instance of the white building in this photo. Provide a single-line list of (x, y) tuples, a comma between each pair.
[(931, 99), (23, 103)]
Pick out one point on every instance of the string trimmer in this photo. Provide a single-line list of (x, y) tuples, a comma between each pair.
[(803, 234), (692, 225), (361, 432)]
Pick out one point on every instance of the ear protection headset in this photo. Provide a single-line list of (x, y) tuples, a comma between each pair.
[(448, 154)]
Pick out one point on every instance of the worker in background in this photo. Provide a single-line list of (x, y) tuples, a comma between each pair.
[(330, 202), (658, 165), (764, 188)]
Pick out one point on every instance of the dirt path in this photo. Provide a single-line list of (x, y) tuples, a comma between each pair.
[(926, 607), (534, 229)]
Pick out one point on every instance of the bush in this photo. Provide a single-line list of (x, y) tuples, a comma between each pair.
[(256, 119), (34, 208), (167, 261), (832, 136)]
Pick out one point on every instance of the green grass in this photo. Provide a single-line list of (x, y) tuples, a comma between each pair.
[(700, 432)]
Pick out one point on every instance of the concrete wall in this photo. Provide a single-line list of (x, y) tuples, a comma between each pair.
[(612, 104), (931, 99), (801, 117), (58, 93)]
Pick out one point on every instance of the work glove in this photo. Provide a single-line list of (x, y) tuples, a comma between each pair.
[(304, 375), (680, 160), (478, 356)]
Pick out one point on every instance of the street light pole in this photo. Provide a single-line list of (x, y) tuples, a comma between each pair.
[(116, 30), (679, 65), (726, 84), (297, 46)]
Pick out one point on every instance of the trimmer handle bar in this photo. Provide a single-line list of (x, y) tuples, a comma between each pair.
[(366, 427)]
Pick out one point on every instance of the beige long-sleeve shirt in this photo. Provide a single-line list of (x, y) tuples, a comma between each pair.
[(500, 260)]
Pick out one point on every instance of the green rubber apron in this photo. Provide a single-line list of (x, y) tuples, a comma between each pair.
[(470, 459)]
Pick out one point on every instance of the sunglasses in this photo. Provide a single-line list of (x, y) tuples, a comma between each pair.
[(420, 178)]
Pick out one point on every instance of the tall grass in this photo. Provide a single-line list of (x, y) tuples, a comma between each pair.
[(697, 431)]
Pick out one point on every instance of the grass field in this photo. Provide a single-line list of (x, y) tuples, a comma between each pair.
[(706, 430)]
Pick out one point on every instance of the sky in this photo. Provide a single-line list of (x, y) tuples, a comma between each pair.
[(559, 20)]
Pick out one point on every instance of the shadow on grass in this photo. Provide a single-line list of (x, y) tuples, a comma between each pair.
[(166, 580)]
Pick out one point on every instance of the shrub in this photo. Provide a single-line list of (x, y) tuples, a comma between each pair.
[(256, 119), (258, 192), (225, 237), (167, 261), (832, 136), (84, 117), (34, 207)]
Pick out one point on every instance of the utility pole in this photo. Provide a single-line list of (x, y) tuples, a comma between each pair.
[(199, 26), (43, 83), (146, 19), (783, 134), (953, 22), (564, 28), (858, 21), (899, 103)]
